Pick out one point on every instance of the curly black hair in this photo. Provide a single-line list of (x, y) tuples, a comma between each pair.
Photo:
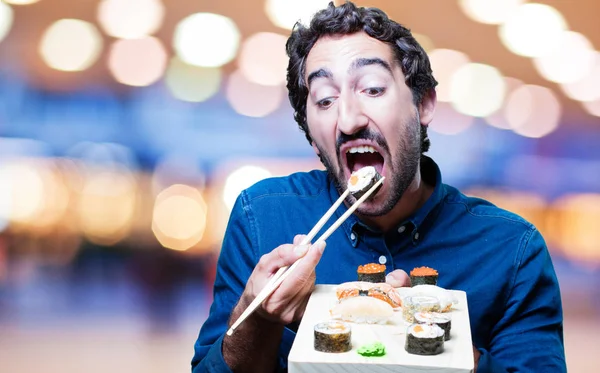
[(349, 19)]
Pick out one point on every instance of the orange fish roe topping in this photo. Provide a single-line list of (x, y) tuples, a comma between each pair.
[(371, 268), (423, 271)]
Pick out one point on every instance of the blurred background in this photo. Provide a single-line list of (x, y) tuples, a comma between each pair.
[(128, 127)]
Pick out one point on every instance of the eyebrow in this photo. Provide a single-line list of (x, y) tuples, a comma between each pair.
[(356, 64), (362, 62), (321, 73)]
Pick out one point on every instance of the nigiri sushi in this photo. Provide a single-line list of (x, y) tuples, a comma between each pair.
[(383, 291), (360, 310)]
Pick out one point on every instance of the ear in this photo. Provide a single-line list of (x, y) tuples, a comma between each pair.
[(427, 107)]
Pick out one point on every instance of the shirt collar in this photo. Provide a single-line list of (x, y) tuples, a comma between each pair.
[(419, 221)]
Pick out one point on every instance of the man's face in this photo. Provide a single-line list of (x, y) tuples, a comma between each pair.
[(360, 112)]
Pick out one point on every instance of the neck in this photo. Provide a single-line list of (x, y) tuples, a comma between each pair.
[(413, 198)]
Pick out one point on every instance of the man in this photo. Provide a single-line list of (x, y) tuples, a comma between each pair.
[(363, 92)]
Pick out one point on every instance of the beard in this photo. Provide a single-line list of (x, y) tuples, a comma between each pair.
[(402, 165)]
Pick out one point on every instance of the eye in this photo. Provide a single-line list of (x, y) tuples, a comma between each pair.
[(325, 103), (374, 91)]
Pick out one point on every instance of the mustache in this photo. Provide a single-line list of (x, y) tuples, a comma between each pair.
[(363, 134)]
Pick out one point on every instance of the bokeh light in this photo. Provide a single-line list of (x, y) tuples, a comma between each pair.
[(24, 186), (498, 118), (578, 224), (71, 45), (206, 39), (107, 204), (592, 107), (263, 59), (448, 121), (240, 179), (490, 11), (251, 99), (32, 194), (6, 19), (285, 13), (444, 63), (533, 111), (572, 59), (130, 19), (137, 62), (179, 217), (21, 2), (192, 83), (477, 90), (532, 30), (588, 87)]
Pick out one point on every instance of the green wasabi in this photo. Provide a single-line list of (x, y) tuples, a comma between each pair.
[(373, 349)]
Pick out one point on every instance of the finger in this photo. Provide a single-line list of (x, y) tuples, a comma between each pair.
[(306, 267), (290, 305), (398, 278), (284, 255), (298, 239)]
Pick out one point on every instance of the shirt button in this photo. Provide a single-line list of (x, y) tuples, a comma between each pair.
[(352, 236), (401, 229), (417, 236), (382, 259)]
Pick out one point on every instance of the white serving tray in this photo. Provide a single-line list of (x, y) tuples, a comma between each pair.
[(303, 358)]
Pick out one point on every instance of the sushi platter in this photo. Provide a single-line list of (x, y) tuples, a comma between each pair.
[(309, 354)]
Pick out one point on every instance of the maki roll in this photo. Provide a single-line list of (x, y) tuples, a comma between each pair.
[(362, 180), (423, 276), (424, 339), (414, 304), (446, 298), (372, 272), (443, 320), (333, 336)]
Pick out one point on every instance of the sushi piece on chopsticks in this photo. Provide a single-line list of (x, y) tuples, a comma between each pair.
[(362, 180)]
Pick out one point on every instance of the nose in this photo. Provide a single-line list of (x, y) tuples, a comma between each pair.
[(351, 116)]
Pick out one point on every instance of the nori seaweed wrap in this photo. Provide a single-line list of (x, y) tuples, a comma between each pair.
[(362, 180), (423, 276), (333, 336), (372, 272), (424, 339), (443, 320)]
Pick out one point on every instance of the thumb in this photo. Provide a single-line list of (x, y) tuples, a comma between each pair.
[(312, 257), (398, 278)]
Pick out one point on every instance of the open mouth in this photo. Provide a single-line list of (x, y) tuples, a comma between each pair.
[(360, 156)]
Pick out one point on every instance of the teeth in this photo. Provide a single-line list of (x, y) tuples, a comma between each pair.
[(361, 149)]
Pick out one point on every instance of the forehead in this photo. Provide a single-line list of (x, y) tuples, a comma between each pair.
[(333, 51)]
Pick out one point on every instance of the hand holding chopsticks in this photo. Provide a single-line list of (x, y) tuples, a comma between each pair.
[(284, 272)]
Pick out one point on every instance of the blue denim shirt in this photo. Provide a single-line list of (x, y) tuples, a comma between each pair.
[(497, 258)]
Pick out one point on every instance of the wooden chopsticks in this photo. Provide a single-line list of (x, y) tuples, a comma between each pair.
[(284, 272)]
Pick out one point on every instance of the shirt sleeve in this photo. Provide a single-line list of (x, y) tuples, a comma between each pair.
[(236, 262), (529, 337)]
